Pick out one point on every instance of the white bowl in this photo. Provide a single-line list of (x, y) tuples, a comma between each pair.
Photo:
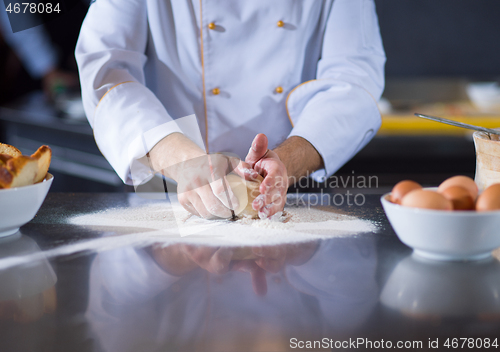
[(445, 235), (485, 96), (19, 205)]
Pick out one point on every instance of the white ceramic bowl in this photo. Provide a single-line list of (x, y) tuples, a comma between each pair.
[(485, 96), (19, 205), (445, 235)]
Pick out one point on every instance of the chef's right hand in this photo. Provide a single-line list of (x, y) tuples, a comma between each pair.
[(202, 188)]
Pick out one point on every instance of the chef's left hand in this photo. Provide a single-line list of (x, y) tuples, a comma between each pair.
[(275, 185)]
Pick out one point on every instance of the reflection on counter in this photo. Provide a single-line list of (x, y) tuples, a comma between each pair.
[(26, 292), (432, 290), (28, 299), (194, 298), (121, 291)]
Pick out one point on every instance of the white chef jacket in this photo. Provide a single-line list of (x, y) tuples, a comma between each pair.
[(308, 68)]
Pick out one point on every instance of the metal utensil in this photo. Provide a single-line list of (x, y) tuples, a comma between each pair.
[(459, 124)]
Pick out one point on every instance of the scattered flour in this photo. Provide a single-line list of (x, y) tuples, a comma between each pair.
[(172, 224), (161, 222)]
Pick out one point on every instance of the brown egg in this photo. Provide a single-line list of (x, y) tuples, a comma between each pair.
[(459, 197), (426, 199), (489, 199), (463, 181), (403, 188)]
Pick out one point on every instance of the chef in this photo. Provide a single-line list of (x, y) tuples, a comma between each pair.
[(291, 87)]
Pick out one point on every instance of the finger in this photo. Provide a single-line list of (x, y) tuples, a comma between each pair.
[(224, 193), (186, 204), (212, 204), (258, 203), (266, 162), (258, 149), (189, 207), (220, 165), (199, 205), (275, 177), (269, 210), (273, 195), (245, 171), (276, 195)]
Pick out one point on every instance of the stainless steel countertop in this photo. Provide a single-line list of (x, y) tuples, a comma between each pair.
[(366, 286)]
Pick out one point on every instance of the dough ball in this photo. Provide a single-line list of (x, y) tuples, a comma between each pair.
[(246, 192)]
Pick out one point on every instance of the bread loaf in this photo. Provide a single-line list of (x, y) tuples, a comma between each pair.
[(9, 150)]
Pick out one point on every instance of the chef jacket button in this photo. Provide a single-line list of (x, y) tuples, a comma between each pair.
[(279, 90), (216, 91), (280, 24), (211, 25)]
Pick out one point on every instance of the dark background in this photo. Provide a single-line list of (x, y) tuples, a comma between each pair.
[(423, 39), (441, 37)]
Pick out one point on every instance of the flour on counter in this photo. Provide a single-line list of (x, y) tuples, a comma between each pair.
[(153, 223), (295, 224)]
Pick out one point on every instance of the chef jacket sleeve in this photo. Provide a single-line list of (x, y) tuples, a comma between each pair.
[(337, 112), (111, 55)]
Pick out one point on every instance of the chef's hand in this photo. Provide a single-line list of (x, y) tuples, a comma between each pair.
[(202, 188), (275, 184)]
